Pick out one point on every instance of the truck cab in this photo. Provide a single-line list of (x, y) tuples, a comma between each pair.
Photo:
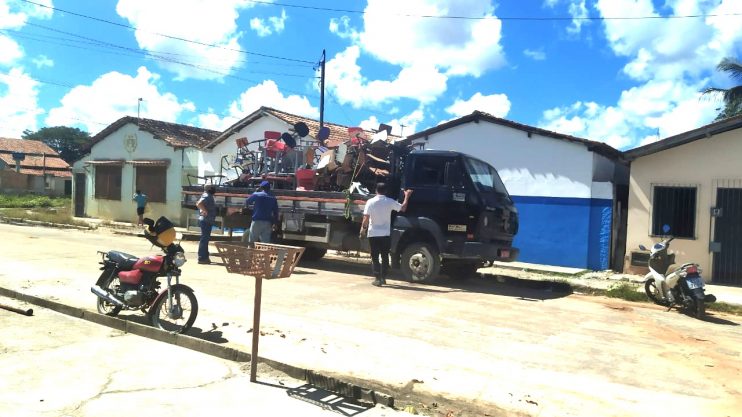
[(459, 216)]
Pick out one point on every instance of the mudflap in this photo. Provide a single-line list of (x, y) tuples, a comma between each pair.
[(104, 275)]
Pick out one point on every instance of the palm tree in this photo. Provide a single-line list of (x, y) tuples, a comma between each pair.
[(732, 97)]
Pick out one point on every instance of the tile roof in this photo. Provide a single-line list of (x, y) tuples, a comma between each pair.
[(594, 146), (39, 157), (338, 133), (176, 135)]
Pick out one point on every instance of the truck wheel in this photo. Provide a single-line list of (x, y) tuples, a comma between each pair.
[(312, 254), (420, 262)]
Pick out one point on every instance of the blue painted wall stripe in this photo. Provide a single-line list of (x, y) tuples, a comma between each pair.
[(574, 232)]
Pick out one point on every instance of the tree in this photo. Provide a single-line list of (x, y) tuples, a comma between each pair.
[(69, 142), (732, 97)]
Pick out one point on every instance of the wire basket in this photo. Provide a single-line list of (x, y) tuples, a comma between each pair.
[(267, 260)]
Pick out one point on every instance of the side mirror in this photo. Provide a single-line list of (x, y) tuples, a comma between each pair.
[(642, 247), (666, 228)]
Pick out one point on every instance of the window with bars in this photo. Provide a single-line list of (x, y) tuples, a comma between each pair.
[(674, 206), (108, 182), (152, 181)]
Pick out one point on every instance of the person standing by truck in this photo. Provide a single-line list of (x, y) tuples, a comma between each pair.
[(264, 214), (376, 225), (206, 218), (141, 200)]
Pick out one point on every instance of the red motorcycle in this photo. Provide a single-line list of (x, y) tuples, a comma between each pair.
[(132, 283)]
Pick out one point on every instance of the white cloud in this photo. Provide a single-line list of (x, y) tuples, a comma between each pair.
[(18, 103), (114, 95), (536, 55), (341, 27), (495, 104), (10, 51), (657, 108), (456, 47), (419, 82), (671, 49), (264, 94), (577, 9), (403, 126), (213, 23), (275, 24), (42, 61), (15, 15)]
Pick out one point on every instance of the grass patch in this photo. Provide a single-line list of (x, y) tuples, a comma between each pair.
[(626, 292), (725, 308), (32, 201), (57, 215)]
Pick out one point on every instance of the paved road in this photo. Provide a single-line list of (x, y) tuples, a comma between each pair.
[(58, 366), (493, 347)]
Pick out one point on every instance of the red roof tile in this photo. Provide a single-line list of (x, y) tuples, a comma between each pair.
[(38, 157)]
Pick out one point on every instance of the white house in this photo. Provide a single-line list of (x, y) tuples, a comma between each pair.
[(132, 153), (570, 192)]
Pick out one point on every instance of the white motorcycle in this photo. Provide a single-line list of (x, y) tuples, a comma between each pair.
[(683, 287)]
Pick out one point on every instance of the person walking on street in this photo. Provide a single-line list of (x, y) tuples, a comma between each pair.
[(264, 214), (377, 219), (206, 219), (141, 200)]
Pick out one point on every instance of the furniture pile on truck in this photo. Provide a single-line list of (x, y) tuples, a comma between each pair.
[(459, 215)]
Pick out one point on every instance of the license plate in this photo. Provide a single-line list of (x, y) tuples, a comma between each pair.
[(695, 282)]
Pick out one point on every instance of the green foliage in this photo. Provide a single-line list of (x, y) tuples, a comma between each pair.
[(626, 291), (32, 201), (731, 97), (69, 142)]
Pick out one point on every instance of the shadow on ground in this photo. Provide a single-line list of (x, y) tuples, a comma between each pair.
[(523, 289), (214, 335)]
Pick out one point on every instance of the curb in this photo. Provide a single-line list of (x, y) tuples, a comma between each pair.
[(330, 383), (17, 220)]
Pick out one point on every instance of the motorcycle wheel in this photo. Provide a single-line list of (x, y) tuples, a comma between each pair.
[(178, 317), (699, 309), (650, 287), (103, 306)]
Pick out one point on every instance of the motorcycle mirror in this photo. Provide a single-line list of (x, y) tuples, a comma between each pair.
[(666, 228), (642, 247), (301, 129)]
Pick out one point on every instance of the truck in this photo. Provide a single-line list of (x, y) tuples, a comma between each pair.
[(459, 216)]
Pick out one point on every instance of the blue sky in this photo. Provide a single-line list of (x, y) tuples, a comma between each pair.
[(617, 71)]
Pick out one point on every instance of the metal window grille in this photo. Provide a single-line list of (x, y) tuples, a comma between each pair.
[(675, 206)]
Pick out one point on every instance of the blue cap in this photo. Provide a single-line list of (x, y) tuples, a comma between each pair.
[(265, 184)]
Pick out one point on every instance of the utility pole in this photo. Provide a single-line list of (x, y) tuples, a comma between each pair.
[(138, 104), (322, 92)]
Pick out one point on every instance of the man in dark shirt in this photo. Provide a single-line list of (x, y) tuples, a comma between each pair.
[(206, 219), (264, 214)]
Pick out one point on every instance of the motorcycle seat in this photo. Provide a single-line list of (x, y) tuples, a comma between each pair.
[(123, 260)]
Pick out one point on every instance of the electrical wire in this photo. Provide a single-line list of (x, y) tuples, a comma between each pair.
[(526, 18), (178, 38)]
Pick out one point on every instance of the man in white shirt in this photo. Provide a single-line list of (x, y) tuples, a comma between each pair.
[(377, 219)]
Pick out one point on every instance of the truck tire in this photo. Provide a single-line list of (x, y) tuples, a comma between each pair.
[(312, 254), (420, 262)]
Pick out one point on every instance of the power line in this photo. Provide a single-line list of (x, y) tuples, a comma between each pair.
[(211, 45), (526, 18)]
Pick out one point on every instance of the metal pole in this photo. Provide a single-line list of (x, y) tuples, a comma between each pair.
[(28, 312), (322, 92), (256, 328)]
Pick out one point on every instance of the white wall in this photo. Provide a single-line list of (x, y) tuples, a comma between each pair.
[(537, 166), (699, 163), (112, 147)]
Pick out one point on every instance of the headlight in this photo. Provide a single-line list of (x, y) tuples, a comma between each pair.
[(179, 259)]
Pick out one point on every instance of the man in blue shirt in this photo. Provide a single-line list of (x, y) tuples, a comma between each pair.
[(264, 214)]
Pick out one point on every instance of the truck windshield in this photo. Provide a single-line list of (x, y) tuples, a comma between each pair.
[(484, 177)]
